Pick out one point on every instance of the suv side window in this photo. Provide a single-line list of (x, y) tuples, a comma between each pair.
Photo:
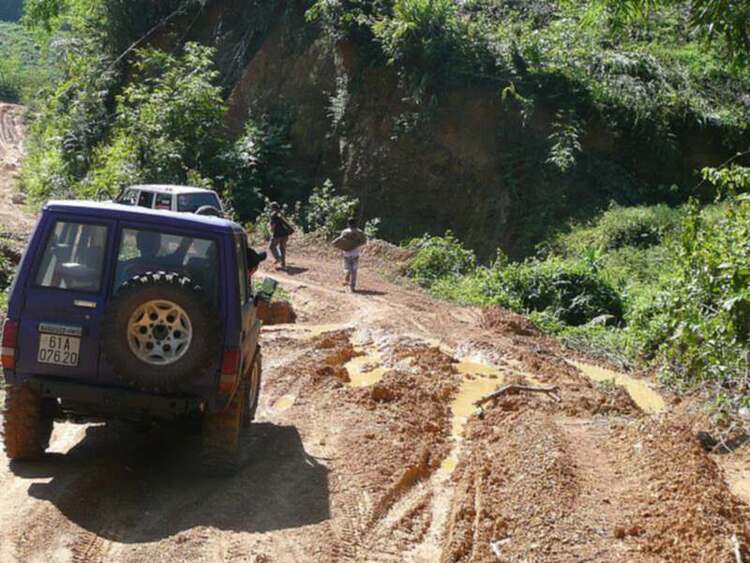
[(73, 257), (163, 201), (146, 199), (241, 250)]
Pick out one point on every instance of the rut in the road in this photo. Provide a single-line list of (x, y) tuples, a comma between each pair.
[(11, 129)]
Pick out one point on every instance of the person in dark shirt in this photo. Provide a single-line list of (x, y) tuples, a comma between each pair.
[(280, 230)]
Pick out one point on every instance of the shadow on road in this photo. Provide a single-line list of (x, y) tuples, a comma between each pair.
[(294, 270), (132, 488), (369, 292)]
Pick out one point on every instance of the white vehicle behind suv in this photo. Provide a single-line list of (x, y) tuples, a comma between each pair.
[(170, 198)]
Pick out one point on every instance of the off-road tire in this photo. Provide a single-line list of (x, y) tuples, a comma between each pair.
[(221, 435), (252, 389), (203, 350), (26, 426)]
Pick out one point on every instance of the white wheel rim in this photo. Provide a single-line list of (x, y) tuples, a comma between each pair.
[(159, 332)]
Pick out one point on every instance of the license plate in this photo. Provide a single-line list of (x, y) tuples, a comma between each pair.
[(59, 350)]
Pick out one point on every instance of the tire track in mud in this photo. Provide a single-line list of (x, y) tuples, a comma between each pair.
[(11, 132), (90, 547)]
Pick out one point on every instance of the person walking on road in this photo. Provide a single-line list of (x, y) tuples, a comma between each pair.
[(350, 242), (280, 231)]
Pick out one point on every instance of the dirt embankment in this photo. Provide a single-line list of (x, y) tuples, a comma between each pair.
[(368, 447)]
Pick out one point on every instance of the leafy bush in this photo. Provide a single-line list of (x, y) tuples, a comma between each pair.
[(168, 126), (425, 37), (170, 117), (569, 292), (259, 163), (438, 257), (619, 227), (701, 323), (327, 212)]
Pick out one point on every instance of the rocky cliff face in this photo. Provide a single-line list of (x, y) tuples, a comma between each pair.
[(466, 162)]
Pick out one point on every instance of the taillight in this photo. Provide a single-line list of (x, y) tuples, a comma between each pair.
[(10, 344), (230, 366)]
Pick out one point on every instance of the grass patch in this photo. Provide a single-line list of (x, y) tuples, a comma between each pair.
[(24, 68)]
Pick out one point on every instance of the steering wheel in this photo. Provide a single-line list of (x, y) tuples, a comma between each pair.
[(209, 210)]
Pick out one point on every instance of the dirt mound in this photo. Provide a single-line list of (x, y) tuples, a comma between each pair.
[(688, 499), (504, 321), (535, 485), (276, 312), (382, 254), (387, 253)]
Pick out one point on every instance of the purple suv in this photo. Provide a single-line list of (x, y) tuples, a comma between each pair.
[(136, 314)]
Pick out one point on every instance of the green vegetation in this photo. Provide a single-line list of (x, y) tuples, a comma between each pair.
[(167, 126), (667, 286), (325, 212), (653, 78), (439, 258), (727, 21), (24, 67)]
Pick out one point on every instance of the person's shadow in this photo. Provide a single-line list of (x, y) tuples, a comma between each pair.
[(135, 488), (294, 270), (369, 292)]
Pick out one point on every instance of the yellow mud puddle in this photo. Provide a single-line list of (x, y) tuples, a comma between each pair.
[(640, 391), (366, 369), (284, 402), (479, 381)]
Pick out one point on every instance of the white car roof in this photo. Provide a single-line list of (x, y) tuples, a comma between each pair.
[(170, 189)]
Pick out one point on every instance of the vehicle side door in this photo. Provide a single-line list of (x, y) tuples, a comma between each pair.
[(146, 199), (64, 298), (164, 201), (250, 323)]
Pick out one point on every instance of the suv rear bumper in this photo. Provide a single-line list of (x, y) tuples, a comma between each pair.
[(80, 401)]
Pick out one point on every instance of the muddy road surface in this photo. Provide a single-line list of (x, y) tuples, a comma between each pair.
[(368, 447)]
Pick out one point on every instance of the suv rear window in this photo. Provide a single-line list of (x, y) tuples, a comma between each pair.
[(144, 251), (73, 257), (192, 202)]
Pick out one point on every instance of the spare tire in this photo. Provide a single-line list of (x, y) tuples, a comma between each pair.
[(161, 332)]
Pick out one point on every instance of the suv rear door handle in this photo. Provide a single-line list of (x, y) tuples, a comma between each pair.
[(85, 304)]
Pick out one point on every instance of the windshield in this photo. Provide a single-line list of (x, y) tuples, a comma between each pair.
[(192, 202), (144, 251)]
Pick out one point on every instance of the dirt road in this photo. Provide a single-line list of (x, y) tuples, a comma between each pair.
[(368, 448)]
